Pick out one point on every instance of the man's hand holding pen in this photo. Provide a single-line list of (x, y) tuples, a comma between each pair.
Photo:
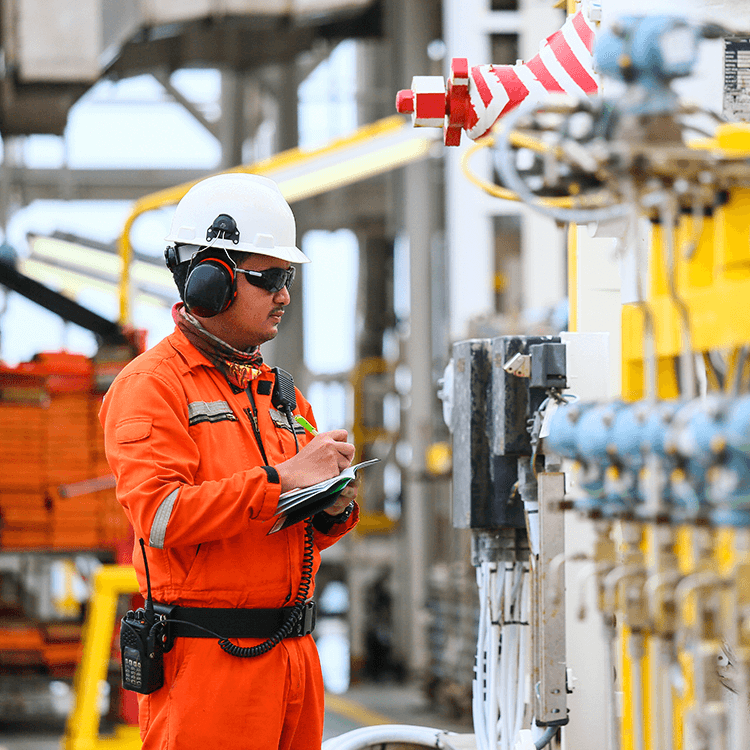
[(325, 456)]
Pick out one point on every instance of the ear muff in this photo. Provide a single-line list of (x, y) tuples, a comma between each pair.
[(211, 286), (171, 258)]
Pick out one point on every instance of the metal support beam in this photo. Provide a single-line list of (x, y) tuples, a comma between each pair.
[(163, 78), (93, 184), (57, 303)]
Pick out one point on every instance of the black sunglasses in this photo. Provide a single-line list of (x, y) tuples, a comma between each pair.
[(272, 279)]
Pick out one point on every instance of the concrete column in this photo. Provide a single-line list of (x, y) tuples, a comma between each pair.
[(288, 101), (543, 260), (468, 220), (416, 24), (232, 125), (420, 219)]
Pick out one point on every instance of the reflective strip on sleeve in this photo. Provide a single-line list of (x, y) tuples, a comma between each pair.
[(210, 411), (161, 519)]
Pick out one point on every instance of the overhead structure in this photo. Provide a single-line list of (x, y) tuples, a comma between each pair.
[(55, 50)]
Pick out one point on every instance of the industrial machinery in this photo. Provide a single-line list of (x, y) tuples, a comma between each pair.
[(662, 474), (59, 518)]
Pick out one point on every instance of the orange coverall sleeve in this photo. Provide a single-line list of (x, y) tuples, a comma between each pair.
[(322, 541), (156, 463)]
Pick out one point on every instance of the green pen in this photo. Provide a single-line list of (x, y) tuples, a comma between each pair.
[(302, 421)]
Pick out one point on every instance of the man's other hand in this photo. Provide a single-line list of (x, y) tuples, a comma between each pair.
[(348, 494), (325, 456)]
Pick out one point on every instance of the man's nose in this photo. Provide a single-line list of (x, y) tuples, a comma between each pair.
[(282, 297)]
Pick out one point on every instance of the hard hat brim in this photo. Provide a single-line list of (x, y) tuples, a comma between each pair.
[(291, 254)]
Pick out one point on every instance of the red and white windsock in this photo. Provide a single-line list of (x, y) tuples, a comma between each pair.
[(476, 98)]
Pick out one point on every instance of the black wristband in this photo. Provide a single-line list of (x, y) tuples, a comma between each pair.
[(272, 474), (324, 522)]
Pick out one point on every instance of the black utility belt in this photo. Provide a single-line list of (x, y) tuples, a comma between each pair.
[(210, 622)]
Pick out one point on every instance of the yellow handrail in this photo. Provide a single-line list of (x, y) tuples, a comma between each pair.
[(82, 727), (415, 147)]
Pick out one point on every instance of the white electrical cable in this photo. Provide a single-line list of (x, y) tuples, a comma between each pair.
[(480, 678), (505, 658), (503, 652), (493, 651), (513, 687), (523, 616), (501, 671), (510, 686), (476, 684)]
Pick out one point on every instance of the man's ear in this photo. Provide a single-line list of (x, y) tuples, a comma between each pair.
[(180, 275)]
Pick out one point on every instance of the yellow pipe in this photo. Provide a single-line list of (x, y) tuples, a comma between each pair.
[(370, 522), (572, 277), (519, 140), (126, 253), (294, 157)]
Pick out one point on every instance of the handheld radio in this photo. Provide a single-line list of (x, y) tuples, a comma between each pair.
[(141, 644), (284, 398)]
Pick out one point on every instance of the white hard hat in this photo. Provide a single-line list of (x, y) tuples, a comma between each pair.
[(243, 212)]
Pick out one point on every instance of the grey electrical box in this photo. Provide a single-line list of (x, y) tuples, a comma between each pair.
[(515, 398), (547, 365), (490, 424)]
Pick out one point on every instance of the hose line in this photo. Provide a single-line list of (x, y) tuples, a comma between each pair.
[(546, 738)]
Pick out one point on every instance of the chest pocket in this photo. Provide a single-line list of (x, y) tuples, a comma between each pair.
[(284, 433), (209, 411)]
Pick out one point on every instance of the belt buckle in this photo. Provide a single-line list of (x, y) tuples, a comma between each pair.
[(306, 622), (164, 612)]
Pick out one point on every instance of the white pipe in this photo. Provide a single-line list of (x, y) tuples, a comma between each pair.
[(366, 737), (613, 719)]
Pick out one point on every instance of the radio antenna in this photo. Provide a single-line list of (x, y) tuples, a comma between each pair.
[(149, 600)]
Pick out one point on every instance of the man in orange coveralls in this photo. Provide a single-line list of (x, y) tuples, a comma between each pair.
[(201, 455)]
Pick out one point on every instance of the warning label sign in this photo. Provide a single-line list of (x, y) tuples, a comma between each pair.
[(737, 79)]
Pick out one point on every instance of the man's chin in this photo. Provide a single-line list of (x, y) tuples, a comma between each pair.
[(269, 335)]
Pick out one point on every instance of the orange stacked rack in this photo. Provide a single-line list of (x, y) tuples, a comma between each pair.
[(56, 490)]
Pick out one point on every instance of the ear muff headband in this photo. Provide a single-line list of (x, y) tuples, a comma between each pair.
[(211, 286)]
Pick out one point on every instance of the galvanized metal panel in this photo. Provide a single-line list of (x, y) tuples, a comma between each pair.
[(157, 12), (549, 668), (171, 11), (120, 20), (321, 7), (471, 430), (58, 40)]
